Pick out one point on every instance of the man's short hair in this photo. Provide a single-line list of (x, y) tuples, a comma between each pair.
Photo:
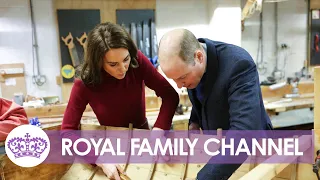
[(188, 45)]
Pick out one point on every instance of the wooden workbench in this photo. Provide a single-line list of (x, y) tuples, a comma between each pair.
[(301, 171), (50, 116), (286, 104), (273, 101), (49, 110), (178, 122)]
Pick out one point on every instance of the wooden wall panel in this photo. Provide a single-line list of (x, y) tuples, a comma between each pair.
[(314, 4), (107, 7)]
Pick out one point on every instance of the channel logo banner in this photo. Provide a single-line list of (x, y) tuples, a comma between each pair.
[(215, 147)]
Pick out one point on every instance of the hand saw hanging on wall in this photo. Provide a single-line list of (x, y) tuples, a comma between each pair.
[(83, 42), (68, 40)]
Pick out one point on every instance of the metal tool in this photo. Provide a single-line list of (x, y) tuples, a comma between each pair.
[(83, 42), (68, 40), (294, 82), (146, 39), (133, 33), (139, 38)]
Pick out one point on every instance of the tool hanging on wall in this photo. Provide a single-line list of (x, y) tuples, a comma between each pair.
[(154, 45), (83, 42), (126, 27), (259, 60), (68, 40), (146, 38), (139, 37), (133, 33)]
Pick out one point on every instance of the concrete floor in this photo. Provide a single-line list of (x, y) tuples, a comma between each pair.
[(293, 118)]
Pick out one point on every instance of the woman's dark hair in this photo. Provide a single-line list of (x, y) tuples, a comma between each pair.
[(101, 39)]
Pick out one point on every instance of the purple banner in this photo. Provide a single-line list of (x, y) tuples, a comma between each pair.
[(141, 146)]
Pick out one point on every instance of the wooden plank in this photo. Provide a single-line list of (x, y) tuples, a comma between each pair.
[(282, 105), (304, 172), (128, 146), (78, 171), (66, 91), (152, 102), (265, 171), (237, 175), (269, 171), (185, 165), (317, 98), (134, 171), (49, 110), (305, 87)]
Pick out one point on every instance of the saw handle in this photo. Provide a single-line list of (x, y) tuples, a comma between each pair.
[(83, 39), (68, 41)]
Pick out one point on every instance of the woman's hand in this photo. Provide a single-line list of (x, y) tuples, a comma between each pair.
[(158, 133), (112, 170)]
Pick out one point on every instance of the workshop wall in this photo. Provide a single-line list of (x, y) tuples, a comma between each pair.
[(16, 36), (225, 21), (205, 18), (292, 31), (189, 14), (16, 42), (200, 16)]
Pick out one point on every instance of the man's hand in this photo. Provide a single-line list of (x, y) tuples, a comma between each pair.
[(112, 170), (194, 126)]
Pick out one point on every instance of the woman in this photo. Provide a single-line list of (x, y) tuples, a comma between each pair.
[(112, 81)]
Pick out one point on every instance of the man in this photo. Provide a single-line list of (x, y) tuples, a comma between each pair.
[(223, 86)]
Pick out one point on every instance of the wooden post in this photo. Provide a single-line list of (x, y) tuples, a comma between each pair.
[(317, 98)]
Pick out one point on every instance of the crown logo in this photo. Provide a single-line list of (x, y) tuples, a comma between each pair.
[(23, 147)]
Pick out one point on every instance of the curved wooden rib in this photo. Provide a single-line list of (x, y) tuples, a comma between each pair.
[(184, 165), (94, 172), (129, 146), (151, 171)]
